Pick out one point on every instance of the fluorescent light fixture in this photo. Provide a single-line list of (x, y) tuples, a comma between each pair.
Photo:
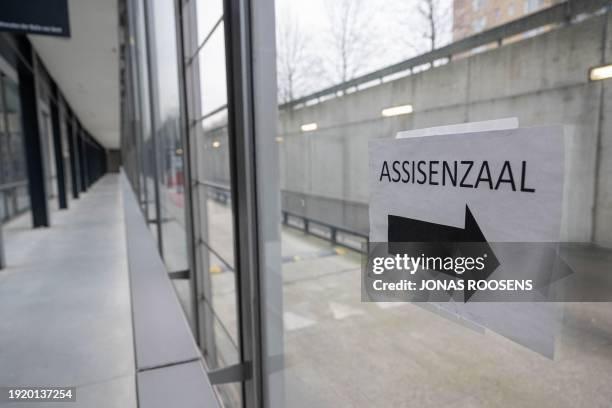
[(397, 110), (599, 73), (309, 127), (216, 144)]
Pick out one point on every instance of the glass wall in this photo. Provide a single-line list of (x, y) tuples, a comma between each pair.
[(72, 151), (350, 72), (156, 154), (65, 150), (153, 133), (212, 196), (45, 99), (169, 144), (148, 162), (346, 77), (14, 197)]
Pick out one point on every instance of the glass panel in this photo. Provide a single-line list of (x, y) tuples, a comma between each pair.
[(216, 241), (4, 211), (213, 91), (12, 156), (64, 129), (208, 14), (5, 153), (213, 213), (23, 199), (18, 169), (148, 164), (168, 133), (342, 352), (47, 145)]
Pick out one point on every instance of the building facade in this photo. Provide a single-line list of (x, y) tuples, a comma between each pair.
[(473, 16)]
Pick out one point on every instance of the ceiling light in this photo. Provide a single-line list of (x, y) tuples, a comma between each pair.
[(308, 127), (599, 73), (397, 110)]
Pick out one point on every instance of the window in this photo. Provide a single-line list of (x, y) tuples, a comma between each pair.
[(291, 180), (147, 154), (532, 5), (478, 5), (479, 25), (168, 140), (401, 354), (14, 196), (213, 216)]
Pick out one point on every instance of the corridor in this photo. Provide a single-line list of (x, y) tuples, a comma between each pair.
[(65, 302)]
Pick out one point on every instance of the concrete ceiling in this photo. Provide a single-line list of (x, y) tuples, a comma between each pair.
[(86, 66)]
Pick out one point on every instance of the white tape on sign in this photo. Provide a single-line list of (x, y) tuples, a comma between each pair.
[(458, 128)]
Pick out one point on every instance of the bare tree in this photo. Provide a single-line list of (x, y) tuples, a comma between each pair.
[(433, 23), (350, 39), (428, 9), (297, 66)]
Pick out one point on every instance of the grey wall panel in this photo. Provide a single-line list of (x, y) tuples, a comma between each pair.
[(162, 335), (183, 385)]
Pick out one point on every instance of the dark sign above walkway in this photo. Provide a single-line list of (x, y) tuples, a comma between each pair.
[(45, 17)]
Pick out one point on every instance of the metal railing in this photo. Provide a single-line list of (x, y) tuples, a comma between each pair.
[(220, 192), (336, 234), (15, 184), (352, 239), (9, 197), (562, 12)]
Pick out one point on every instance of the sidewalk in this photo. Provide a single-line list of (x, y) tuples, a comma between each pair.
[(65, 303)]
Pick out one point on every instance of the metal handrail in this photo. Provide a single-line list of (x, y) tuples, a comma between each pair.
[(562, 12), (212, 184), (324, 224), (333, 230), (12, 185), (307, 221)]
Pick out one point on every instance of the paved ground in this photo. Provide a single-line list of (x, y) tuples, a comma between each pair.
[(65, 306), (340, 352)]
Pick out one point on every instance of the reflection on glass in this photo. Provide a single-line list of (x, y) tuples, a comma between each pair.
[(170, 163), (217, 234), (213, 91), (14, 198), (168, 136), (148, 163), (5, 164), (324, 182), (208, 14), (64, 129), (213, 214)]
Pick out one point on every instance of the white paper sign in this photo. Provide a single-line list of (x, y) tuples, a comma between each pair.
[(512, 181)]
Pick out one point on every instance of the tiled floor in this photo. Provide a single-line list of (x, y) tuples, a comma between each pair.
[(65, 303)]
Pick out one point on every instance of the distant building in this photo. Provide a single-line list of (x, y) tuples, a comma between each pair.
[(473, 16)]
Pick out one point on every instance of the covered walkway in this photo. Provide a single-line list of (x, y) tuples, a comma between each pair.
[(65, 302)]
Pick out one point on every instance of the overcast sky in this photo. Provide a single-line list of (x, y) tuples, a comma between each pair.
[(395, 30), (395, 27)]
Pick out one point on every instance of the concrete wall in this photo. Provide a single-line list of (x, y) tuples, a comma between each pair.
[(113, 160), (541, 80)]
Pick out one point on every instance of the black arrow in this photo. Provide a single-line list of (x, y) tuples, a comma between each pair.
[(438, 240)]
